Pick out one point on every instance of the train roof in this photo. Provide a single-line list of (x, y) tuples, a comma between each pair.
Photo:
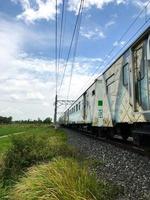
[(135, 42)]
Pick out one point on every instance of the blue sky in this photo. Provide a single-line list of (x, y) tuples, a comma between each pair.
[(27, 44)]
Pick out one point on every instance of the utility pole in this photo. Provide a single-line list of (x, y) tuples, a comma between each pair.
[(55, 113), (59, 103), (56, 34)]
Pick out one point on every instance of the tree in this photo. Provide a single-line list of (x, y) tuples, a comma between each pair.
[(39, 121), (48, 120), (5, 120)]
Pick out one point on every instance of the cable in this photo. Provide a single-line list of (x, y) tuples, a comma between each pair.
[(110, 52), (130, 40), (114, 57), (62, 46), (75, 49), (71, 43), (61, 33), (56, 34)]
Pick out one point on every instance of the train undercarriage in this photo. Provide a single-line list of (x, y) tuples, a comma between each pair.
[(138, 133)]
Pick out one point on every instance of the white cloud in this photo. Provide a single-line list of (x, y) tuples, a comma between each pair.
[(27, 83), (36, 10), (30, 89), (9, 111), (141, 4), (110, 23), (95, 33), (122, 1), (45, 9), (74, 4), (120, 44)]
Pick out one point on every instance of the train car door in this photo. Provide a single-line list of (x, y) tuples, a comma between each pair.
[(141, 74), (84, 106)]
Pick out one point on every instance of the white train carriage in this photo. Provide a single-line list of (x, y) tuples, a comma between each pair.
[(84, 110), (119, 99)]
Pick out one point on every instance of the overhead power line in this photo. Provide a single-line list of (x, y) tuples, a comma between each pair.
[(56, 66), (56, 53), (71, 43), (120, 39), (75, 48), (61, 32)]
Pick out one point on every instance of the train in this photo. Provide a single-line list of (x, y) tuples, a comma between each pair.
[(118, 101)]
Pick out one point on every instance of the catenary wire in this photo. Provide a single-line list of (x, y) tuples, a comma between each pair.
[(61, 32), (111, 51), (71, 43), (56, 35), (75, 48)]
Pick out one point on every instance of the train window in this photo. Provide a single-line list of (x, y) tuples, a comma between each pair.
[(79, 105), (93, 92), (125, 74), (87, 103), (109, 81), (139, 62), (76, 107), (148, 48)]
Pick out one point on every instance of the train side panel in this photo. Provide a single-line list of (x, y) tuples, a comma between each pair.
[(118, 102), (127, 87), (76, 112)]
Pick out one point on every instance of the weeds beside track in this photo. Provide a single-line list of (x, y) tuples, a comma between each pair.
[(40, 152)]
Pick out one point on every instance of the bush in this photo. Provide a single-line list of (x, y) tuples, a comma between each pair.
[(5, 120), (62, 179), (30, 149), (48, 120)]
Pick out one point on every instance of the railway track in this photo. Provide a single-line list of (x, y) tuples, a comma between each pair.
[(126, 166), (120, 143)]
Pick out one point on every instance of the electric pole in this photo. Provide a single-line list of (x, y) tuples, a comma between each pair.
[(55, 113), (56, 35), (58, 103)]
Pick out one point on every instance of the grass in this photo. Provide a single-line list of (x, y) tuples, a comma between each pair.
[(39, 145), (62, 179), (4, 145), (39, 164), (10, 129)]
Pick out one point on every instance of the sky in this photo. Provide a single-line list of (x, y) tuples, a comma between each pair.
[(27, 49)]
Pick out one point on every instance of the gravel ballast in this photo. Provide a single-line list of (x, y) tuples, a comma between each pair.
[(122, 167)]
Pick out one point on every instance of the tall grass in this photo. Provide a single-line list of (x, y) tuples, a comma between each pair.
[(39, 165), (62, 179), (12, 128), (29, 149)]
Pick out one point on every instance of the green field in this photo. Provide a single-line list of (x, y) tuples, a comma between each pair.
[(7, 132), (4, 145), (39, 164), (9, 129)]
